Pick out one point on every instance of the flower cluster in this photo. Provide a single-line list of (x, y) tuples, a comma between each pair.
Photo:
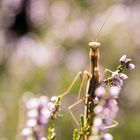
[(105, 111), (106, 108), (39, 112), (117, 77), (125, 61)]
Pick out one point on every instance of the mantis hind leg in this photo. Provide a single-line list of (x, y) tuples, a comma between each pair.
[(85, 76), (72, 106)]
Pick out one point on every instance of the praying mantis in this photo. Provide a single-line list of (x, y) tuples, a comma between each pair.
[(92, 78), (93, 81)]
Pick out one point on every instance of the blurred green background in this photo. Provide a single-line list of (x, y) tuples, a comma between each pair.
[(44, 44)]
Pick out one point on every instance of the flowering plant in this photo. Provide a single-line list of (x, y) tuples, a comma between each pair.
[(42, 112)]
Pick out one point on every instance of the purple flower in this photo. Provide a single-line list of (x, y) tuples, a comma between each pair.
[(105, 113), (117, 79), (54, 98), (107, 108), (96, 100), (97, 122), (26, 132), (43, 138), (45, 115), (114, 91), (51, 106), (107, 136), (117, 82), (43, 101), (103, 83), (123, 59), (127, 62), (98, 109), (31, 123), (42, 121), (131, 66), (32, 103), (100, 91), (38, 116), (123, 76), (32, 113), (112, 105)]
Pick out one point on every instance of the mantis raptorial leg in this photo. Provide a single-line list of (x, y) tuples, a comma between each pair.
[(86, 75)]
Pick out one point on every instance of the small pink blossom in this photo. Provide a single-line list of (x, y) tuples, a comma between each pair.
[(26, 132), (96, 100), (114, 91), (100, 91), (97, 122), (32, 103), (54, 98), (107, 136), (123, 58), (98, 109), (131, 66), (32, 113), (123, 76), (31, 123), (51, 106)]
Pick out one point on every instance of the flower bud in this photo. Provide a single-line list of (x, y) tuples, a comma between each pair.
[(107, 136), (98, 109), (131, 66), (96, 100), (54, 98), (26, 132), (114, 91), (123, 76), (51, 106), (97, 122), (100, 91), (32, 103), (31, 123), (32, 113), (123, 59)]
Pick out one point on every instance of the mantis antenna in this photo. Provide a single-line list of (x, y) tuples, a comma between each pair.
[(99, 32), (104, 22)]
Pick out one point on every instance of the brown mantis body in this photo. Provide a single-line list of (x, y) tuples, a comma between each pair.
[(93, 81), (92, 77)]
